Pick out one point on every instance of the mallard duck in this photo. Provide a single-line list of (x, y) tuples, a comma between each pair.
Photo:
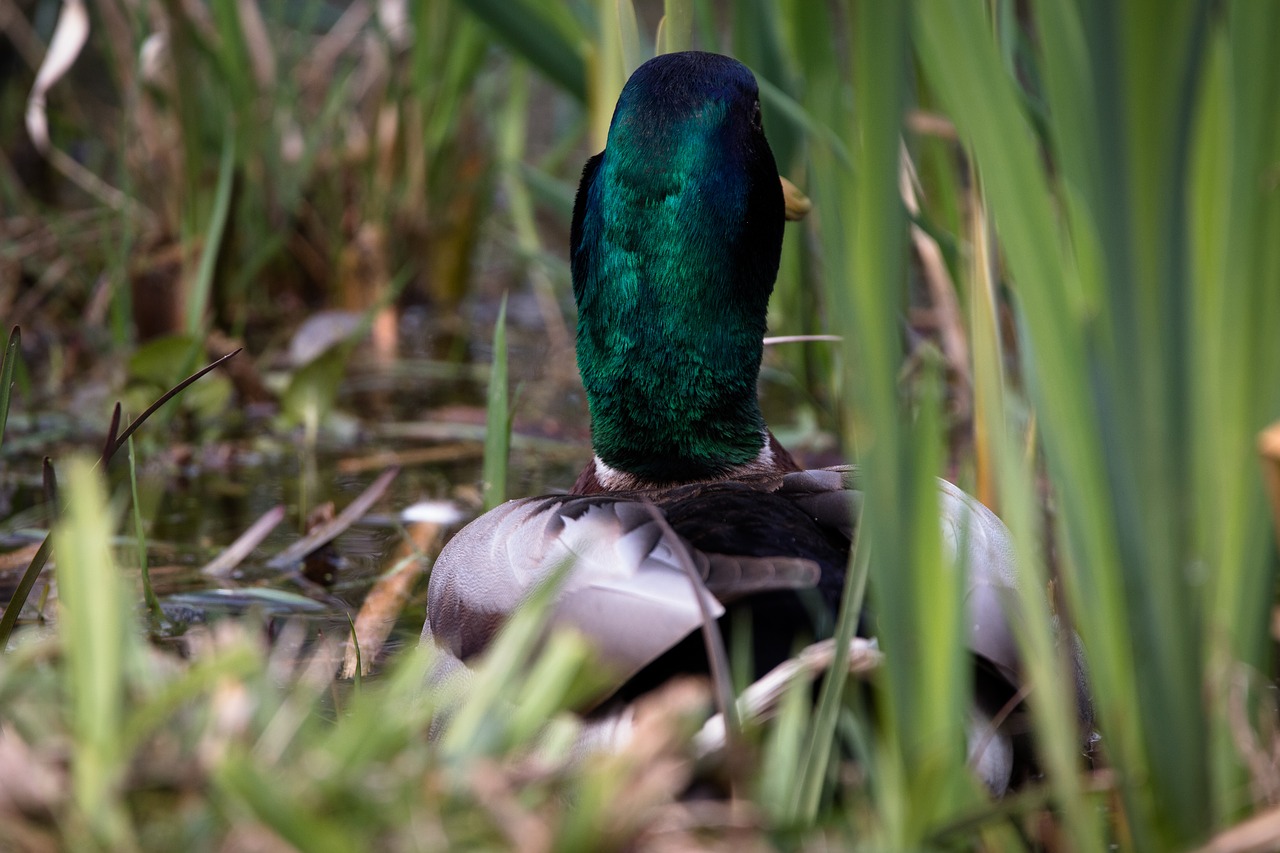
[(675, 242)]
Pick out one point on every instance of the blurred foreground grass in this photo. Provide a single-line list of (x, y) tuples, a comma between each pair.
[(1087, 262)]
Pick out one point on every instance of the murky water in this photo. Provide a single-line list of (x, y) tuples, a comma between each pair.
[(423, 412)]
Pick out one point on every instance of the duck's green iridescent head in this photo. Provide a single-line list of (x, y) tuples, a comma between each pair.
[(677, 231)]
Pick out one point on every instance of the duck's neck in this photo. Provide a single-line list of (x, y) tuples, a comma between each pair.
[(672, 270)]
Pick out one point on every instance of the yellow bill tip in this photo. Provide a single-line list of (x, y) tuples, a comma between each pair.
[(797, 204)]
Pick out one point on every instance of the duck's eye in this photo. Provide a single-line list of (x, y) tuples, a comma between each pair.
[(755, 115)]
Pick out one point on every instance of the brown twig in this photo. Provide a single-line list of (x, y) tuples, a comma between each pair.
[(234, 554), (329, 531)]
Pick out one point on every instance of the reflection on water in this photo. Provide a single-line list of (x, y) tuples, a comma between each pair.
[(423, 413)]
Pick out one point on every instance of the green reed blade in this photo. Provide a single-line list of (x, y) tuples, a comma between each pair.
[(498, 415)]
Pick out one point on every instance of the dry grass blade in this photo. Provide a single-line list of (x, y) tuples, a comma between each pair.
[(338, 39), (638, 760), (654, 764), (716, 654), (1257, 834), (759, 701), (454, 452), (1258, 747), (330, 530), (222, 565), (682, 820), (931, 124), (261, 57), (1269, 449), (501, 799), (69, 37), (384, 602), (942, 292), (773, 340)]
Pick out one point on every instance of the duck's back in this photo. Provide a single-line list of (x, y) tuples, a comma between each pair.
[(771, 552)]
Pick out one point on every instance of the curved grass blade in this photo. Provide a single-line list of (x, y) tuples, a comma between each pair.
[(113, 433), (821, 739), (795, 113), (6, 376), (10, 618), (111, 450), (213, 239), (534, 37)]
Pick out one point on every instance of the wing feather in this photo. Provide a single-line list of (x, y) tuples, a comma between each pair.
[(626, 590)]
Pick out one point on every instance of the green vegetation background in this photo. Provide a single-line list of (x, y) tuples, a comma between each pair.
[(1093, 242)]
